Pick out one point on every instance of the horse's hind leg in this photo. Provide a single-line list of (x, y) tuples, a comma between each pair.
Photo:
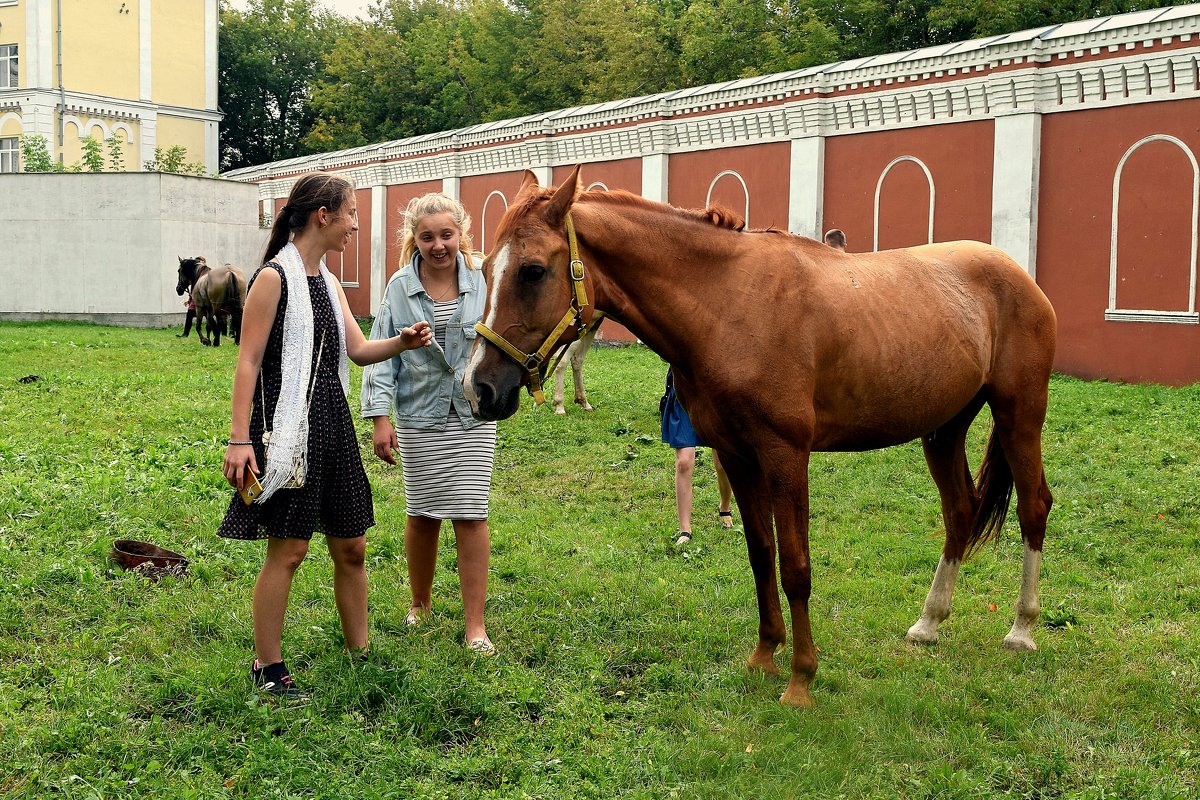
[(579, 351), (560, 379), (946, 454), (1019, 423), (203, 323)]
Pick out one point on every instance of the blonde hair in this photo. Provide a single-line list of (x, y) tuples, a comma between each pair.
[(435, 203)]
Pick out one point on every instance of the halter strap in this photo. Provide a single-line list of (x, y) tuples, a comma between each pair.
[(535, 363)]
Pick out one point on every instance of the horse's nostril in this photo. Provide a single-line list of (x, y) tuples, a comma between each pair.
[(486, 394)]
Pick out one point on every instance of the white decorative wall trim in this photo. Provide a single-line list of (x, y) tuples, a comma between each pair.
[(806, 186), (594, 185), (378, 245), (879, 188), (1057, 69), (211, 27), (146, 53), (1016, 179), (654, 177), (483, 217), (745, 191), (1114, 314)]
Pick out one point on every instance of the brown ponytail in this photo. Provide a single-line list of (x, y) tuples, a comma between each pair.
[(311, 192)]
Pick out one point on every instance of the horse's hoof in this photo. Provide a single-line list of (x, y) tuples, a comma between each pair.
[(1019, 642), (562, 412), (922, 633), (796, 696), (763, 659)]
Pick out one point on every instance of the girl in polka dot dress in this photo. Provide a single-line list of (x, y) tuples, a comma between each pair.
[(291, 379)]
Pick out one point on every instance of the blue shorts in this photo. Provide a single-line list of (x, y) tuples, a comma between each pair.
[(677, 429)]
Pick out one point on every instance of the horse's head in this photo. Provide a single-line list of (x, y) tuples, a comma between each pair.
[(533, 303), (189, 272)]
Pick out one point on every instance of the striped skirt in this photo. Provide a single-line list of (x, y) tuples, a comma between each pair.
[(448, 473)]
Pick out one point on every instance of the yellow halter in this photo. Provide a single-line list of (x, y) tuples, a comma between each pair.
[(535, 363)]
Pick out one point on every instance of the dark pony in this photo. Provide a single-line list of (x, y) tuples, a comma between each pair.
[(782, 346), (216, 292)]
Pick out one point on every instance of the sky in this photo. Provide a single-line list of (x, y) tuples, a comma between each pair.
[(347, 8)]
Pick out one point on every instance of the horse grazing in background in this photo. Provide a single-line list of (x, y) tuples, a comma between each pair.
[(576, 352), (782, 346), (215, 292)]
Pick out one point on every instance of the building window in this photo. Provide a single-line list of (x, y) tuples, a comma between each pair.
[(8, 66), (9, 160)]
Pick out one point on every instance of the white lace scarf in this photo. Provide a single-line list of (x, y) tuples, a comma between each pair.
[(289, 425)]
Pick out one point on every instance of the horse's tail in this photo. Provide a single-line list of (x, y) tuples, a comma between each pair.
[(233, 294), (994, 487)]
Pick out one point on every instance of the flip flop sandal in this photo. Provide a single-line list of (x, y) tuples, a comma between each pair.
[(682, 538), (726, 515), (416, 616), (481, 647)]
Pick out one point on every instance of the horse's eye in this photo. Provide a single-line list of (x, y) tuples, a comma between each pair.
[(532, 273)]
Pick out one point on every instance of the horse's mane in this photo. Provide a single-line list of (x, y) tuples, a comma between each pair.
[(715, 215)]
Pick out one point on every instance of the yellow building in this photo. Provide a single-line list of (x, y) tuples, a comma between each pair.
[(142, 70)]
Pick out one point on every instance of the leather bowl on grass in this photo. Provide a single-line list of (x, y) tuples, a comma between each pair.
[(147, 559)]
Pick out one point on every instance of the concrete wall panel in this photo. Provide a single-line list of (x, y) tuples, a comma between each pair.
[(104, 247)]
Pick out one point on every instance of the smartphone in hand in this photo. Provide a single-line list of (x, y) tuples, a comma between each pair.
[(251, 488)]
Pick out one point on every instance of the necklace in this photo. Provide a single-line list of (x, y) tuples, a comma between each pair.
[(445, 293), (444, 296)]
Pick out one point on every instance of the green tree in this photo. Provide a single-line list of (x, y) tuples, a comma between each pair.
[(35, 155), (116, 153), (722, 40), (174, 159), (93, 154), (590, 51), (269, 55), (374, 89)]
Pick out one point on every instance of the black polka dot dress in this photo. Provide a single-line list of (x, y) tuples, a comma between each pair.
[(336, 496)]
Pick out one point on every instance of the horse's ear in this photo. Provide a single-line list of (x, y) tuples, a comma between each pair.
[(563, 197), (180, 261), (528, 181)]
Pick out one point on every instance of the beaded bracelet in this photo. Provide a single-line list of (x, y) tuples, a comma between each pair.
[(232, 443)]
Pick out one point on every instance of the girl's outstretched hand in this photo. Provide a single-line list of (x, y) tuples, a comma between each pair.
[(420, 334)]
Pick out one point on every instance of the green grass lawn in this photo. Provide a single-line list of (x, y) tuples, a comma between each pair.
[(621, 665)]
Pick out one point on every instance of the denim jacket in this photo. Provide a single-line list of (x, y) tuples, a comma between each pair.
[(420, 384)]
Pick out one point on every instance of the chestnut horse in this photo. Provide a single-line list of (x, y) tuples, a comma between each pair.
[(782, 346)]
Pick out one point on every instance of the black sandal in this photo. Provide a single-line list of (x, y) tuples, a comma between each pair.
[(723, 515), (682, 538)]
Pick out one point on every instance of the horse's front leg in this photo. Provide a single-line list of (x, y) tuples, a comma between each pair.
[(754, 503), (789, 491)]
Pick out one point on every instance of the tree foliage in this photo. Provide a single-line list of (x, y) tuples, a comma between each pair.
[(270, 57), (295, 82)]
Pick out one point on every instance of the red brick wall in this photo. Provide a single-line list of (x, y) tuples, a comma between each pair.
[(1080, 154)]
